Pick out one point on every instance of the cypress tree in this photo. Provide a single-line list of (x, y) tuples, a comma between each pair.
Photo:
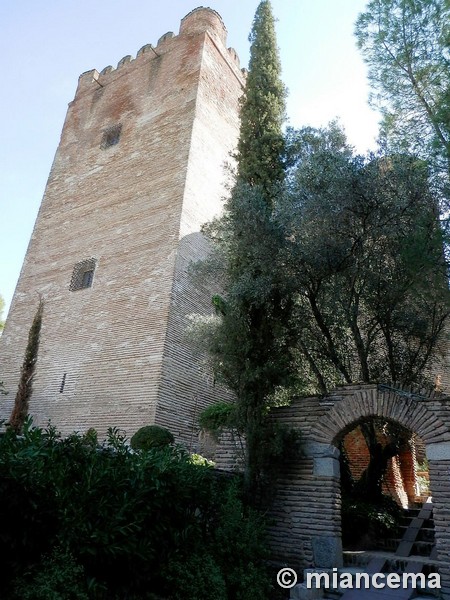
[(24, 391), (254, 324), (261, 144), (250, 346)]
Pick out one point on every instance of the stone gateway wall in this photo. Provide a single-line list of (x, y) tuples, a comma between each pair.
[(306, 512)]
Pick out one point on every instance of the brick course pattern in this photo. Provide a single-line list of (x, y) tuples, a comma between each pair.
[(138, 170), (400, 480), (307, 507)]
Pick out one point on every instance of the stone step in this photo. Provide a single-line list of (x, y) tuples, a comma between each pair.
[(393, 563), (422, 548), (419, 547), (374, 562)]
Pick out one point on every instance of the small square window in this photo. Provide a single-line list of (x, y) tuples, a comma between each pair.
[(83, 275), (111, 136)]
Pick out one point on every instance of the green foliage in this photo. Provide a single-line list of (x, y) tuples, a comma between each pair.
[(238, 538), (217, 417), (331, 284), (366, 522), (56, 577), (248, 343), (405, 44), (362, 249), (261, 144), (198, 459), (112, 523), (151, 436), (25, 388), (195, 575)]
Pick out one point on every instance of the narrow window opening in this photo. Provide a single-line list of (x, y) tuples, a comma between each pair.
[(88, 277), (63, 383)]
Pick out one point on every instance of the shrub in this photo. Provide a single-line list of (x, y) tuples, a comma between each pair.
[(241, 551), (57, 577), (118, 524), (195, 575), (367, 522), (151, 436), (217, 417)]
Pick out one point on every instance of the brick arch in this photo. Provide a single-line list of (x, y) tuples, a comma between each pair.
[(307, 506), (407, 408)]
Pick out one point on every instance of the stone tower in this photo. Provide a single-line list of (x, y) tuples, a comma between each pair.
[(138, 170)]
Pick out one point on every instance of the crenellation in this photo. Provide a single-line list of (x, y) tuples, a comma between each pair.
[(124, 61), (86, 80), (166, 37), (203, 19), (144, 49), (234, 55), (200, 20)]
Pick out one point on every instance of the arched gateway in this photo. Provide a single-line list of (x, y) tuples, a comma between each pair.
[(307, 517)]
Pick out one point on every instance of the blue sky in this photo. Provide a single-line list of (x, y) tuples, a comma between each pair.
[(46, 44)]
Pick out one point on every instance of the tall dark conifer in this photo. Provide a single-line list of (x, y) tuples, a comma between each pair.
[(24, 391), (253, 340), (261, 142), (250, 345)]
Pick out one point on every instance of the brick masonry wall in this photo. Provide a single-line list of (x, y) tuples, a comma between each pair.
[(184, 390), (399, 480), (135, 208), (306, 510)]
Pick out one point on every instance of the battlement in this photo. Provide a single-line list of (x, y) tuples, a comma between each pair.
[(198, 21), (204, 19)]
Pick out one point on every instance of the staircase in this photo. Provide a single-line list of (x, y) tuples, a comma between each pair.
[(413, 551)]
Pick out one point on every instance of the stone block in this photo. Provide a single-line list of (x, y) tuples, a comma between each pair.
[(439, 451), (318, 449), (327, 551), (326, 467), (301, 592)]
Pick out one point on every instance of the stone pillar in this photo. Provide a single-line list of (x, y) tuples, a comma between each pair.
[(326, 541), (438, 456)]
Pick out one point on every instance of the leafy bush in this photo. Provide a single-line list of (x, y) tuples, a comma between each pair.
[(367, 522), (217, 417), (151, 436), (198, 459), (195, 575), (57, 577), (238, 541), (114, 524)]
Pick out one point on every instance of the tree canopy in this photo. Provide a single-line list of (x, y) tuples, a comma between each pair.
[(341, 280), (406, 45), (260, 146), (331, 264), (363, 249)]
